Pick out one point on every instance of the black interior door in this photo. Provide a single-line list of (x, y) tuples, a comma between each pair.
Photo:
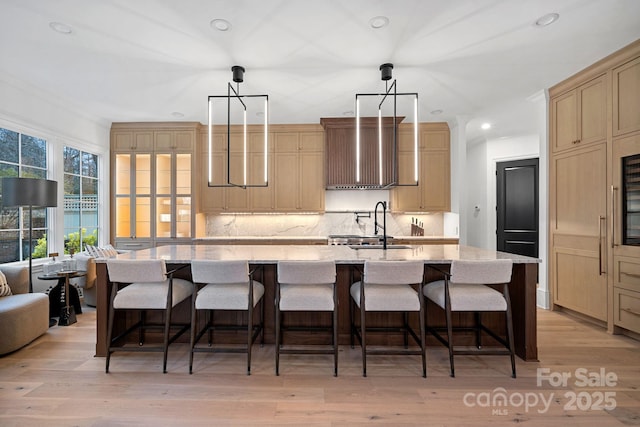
[(517, 207)]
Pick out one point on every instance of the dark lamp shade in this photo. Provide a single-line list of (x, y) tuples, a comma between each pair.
[(29, 192)]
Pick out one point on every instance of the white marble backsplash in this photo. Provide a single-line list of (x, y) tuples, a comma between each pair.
[(318, 224)]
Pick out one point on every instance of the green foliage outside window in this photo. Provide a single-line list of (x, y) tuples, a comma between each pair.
[(72, 242)]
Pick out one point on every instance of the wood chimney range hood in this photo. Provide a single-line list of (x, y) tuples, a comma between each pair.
[(340, 153)]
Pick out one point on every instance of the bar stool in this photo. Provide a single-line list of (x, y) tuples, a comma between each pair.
[(144, 285), (230, 286), (465, 289), (389, 286), (306, 286)]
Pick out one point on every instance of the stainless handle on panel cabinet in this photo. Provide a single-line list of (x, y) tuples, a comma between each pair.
[(600, 270), (613, 215)]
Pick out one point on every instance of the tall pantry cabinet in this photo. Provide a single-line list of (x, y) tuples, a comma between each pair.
[(594, 135), (152, 183)]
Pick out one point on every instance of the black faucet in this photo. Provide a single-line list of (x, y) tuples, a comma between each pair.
[(384, 223)]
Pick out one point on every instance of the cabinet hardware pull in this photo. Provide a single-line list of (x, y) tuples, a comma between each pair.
[(628, 310), (631, 274), (613, 216), (600, 270)]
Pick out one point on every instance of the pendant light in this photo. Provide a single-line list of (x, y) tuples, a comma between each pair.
[(233, 109), (387, 111)]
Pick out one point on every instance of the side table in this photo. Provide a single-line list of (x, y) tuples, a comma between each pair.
[(67, 311)]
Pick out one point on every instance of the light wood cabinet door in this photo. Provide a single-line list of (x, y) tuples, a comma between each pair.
[(286, 181), (577, 217), (577, 283), (578, 117), (211, 199), (435, 176), (298, 172), (181, 140), (626, 309), (311, 172), (132, 197), (311, 192), (433, 192), (286, 171), (261, 197), (123, 141), (626, 98), (237, 198)]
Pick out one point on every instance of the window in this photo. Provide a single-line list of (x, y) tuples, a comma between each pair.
[(24, 156), (80, 199)]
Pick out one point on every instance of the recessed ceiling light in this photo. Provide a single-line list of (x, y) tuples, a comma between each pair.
[(485, 126), (220, 24), (177, 114), (436, 112), (378, 22), (547, 19), (61, 28)]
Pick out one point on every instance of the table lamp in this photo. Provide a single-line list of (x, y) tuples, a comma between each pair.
[(29, 192)]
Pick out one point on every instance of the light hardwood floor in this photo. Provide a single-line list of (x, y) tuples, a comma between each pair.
[(56, 381)]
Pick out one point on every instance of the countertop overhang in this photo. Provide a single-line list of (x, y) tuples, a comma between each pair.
[(270, 254)]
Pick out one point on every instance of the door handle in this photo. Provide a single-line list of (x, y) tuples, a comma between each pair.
[(600, 270), (614, 189)]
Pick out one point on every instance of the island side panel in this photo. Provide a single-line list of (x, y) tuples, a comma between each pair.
[(522, 290)]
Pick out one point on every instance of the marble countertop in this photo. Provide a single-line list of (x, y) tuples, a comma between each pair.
[(276, 238), (270, 254), (309, 238)]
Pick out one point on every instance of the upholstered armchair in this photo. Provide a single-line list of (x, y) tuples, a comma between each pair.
[(24, 316)]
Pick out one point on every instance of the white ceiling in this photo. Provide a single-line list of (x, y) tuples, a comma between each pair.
[(143, 60)]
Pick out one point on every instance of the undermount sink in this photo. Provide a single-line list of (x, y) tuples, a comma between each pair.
[(357, 247)]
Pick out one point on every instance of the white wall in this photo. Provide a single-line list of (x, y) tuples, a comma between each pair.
[(477, 196), (502, 150), (28, 111), (482, 158)]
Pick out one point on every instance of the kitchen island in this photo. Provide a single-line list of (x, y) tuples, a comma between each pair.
[(522, 288)]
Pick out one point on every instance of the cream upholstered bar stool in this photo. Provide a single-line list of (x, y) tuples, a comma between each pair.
[(229, 286), (464, 289), (145, 285), (389, 286), (306, 286)]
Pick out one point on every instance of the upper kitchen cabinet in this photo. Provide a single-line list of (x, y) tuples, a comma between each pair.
[(433, 192), (230, 190), (626, 98), (299, 169), (126, 140), (152, 183), (175, 140), (578, 117), (295, 166), (131, 200)]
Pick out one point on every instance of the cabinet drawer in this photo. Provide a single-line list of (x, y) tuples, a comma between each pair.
[(626, 306), (627, 273), (133, 245)]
